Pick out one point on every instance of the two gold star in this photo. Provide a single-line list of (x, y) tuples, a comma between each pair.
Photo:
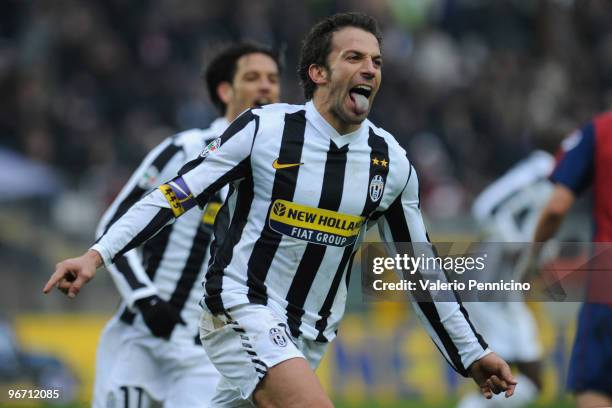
[(377, 162)]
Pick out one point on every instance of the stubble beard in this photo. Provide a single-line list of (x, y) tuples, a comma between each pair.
[(340, 111)]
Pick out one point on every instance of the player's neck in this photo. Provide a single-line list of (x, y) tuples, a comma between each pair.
[(230, 115), (326, 112)]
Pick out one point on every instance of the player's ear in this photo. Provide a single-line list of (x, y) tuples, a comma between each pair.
[(225, 92), (318, 74)]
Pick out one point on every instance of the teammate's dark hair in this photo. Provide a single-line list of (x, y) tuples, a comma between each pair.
[(317, 44), (223, 67)]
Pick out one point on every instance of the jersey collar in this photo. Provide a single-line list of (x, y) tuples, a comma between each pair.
[(325, 128)]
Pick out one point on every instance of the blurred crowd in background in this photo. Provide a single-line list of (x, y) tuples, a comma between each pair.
[(469, 86), (88, 87)]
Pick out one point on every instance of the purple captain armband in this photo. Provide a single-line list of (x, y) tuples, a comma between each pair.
[(178, 195)]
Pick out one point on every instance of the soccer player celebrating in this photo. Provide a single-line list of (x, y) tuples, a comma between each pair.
[(586, 160), (151, 350), (306, 180)]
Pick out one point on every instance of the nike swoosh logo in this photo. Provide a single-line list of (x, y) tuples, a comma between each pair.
[(278, 166)]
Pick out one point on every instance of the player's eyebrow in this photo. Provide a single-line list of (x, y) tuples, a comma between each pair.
[(255, 72), (361, 53)]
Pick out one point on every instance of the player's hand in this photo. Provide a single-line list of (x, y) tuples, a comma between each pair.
[(159, 315), (493, 375), (70, 275)]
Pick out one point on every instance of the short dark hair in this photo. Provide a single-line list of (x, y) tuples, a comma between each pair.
[(317, 44), (223, 67)]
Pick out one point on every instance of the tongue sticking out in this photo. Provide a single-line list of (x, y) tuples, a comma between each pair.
[(361, 103)]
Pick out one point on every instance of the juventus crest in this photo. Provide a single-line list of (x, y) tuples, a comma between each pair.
[(377, 186)]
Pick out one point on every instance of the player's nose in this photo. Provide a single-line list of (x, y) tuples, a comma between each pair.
[(368, 68), (266, 85)]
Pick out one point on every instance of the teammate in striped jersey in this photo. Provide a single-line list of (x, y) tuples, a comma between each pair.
[(306, 179), (507, 212), (151, 350)]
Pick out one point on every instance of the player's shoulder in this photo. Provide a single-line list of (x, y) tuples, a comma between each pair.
[(598, 126), (396, 151), (389, 139), (400, 170), (275, 109), (272, 120), (192, 141)]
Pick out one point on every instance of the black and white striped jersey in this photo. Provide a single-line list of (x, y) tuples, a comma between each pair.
[(301, 197), (508, 209), (172, 263)]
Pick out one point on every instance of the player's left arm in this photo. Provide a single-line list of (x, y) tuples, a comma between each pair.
[(447, 323)]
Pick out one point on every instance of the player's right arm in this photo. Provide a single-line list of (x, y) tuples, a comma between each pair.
[(197, 181), (128, 272)]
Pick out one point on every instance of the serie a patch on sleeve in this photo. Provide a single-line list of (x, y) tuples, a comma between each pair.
[(178, 196), (211, 147)]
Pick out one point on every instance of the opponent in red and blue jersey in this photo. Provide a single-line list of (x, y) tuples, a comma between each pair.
[(586, 161)]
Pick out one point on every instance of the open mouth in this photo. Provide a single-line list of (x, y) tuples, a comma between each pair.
[(362, 90), (359, 96)]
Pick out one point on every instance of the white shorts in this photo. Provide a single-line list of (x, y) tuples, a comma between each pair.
[(244, 343), (148, 371), (508, 327)]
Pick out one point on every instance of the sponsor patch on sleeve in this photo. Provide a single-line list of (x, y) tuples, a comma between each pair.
[(314, 225), (178, 196)]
